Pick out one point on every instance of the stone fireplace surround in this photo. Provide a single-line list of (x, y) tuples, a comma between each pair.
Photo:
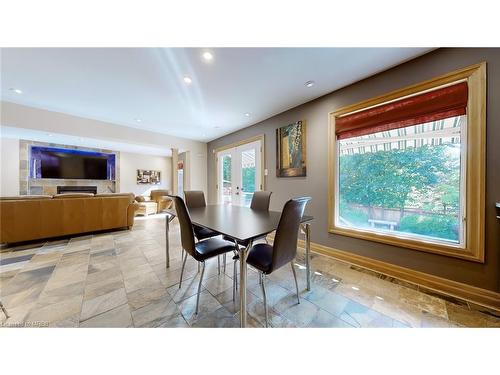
[(31, 186)]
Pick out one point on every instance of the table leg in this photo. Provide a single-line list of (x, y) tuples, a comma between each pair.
[(167, 244), (308, 254), (243, 284)]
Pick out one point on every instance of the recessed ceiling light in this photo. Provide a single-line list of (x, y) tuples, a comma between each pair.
[(247, 114), (207, 56), (50, 135), (335, 280), (355, 287), (17, 91), (188, 80), (138, 120), (309, 83), (380, 298)]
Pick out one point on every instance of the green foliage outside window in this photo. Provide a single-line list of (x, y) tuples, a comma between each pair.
[(441, 226), (425, 178), (248, 177), (226, 168)]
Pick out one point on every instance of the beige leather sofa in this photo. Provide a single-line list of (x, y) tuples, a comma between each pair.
[(25, 218)]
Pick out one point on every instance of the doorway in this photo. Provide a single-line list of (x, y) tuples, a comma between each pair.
[(240, 172), (180, 178)]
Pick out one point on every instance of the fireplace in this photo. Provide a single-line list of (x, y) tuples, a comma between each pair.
[(76, 189)]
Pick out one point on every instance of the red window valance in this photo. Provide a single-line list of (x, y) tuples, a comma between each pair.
[(434, 105)]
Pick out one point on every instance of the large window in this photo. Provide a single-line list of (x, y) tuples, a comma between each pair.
[(408, 168), (405, 182)]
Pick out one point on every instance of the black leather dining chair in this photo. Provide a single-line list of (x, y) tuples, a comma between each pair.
[(199, 250), (260, 202), (195, 199), (268, 258)]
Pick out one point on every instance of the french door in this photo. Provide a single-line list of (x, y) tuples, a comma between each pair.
[(239, 173)]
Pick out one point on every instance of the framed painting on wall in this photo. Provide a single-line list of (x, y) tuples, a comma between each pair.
[(291, 150), (148, 177)]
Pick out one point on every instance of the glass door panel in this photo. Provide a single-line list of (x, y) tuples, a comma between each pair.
[(225, 179), (248, 177)]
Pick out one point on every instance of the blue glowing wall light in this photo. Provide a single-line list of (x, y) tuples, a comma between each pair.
[(36, 159)]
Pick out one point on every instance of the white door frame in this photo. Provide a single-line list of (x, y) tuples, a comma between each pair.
[(248, 141)]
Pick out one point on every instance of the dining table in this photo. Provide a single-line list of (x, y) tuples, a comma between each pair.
[(241, 224)]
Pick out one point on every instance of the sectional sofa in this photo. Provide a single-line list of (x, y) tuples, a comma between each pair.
[(26, 218)]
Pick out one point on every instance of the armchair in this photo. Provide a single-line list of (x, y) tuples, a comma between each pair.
[(162, 200)]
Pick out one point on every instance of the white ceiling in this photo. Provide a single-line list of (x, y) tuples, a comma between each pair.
[(119, 85)]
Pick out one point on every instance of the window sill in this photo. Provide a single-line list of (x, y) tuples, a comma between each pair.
[(450, 250)]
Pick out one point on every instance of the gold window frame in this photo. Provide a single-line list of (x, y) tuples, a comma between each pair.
[(475, 164)]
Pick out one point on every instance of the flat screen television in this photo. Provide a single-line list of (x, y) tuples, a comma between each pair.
[(72, 164)]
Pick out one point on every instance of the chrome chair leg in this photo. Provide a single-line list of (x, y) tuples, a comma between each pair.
[(234, 283), (185, 256), (224, 259), (235, 266), (4, 310), (296, 284), (235, 273), (218, 264), (199, 287), (263, 286)]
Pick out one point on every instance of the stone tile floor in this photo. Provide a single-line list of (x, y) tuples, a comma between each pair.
[(119, 279)]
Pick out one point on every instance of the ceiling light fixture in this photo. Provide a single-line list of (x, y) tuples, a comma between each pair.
[(247, 114), (309, 83), (187, 80), (17, 91), (138, 120), (355, 287), (207, 56)]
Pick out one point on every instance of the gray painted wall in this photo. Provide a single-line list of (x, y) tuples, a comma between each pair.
[(316, 185)]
